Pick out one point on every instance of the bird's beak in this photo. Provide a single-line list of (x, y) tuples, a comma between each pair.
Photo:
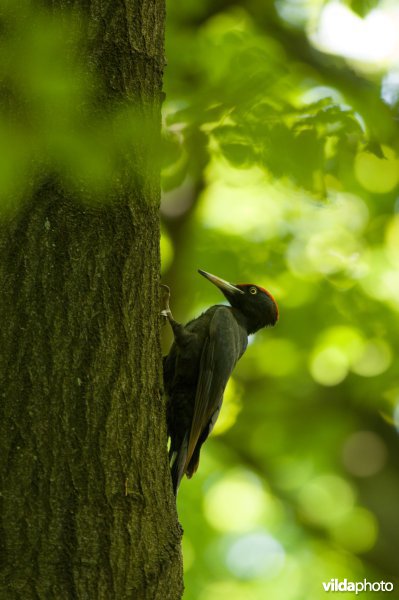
[(223, 285)]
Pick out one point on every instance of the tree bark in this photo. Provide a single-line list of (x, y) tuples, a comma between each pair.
[(87, 509)]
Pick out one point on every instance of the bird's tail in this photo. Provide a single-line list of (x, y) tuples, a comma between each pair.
[(193, 464), (178, 462)]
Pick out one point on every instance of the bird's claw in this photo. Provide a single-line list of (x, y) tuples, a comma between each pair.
[(166, 312)]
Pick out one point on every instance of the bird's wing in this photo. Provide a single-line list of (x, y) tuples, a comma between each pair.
[(222, 348)]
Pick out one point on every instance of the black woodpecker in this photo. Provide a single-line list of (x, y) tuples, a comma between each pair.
[(200, 362)]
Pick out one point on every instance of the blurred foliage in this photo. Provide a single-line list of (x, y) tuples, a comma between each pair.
[(52, 123), (281, 168)]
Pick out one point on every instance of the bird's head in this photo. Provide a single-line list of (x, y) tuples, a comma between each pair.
[(255, 303)]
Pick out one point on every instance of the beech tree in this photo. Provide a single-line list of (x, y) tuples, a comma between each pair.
[(87, 509)]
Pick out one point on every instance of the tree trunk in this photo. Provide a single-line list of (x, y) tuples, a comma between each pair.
[(87, 509)]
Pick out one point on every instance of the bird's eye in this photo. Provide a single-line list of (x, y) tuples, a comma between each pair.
[(253, 290)]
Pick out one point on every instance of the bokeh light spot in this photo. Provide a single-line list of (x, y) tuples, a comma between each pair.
[(326, 240), (326, 499), (364, 454), (237, 502), (342, 31), (381, 280), (257, 554), (348, 339), (358, 531), (377, 175), (374, 360), (224, 204), (332, 251), (329, 366)]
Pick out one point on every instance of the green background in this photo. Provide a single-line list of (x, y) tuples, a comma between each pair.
[(281, 169)]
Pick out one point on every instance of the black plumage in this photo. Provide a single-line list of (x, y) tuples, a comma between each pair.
[(200, 362)]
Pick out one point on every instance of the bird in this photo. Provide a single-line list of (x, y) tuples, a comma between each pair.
[(200, 362)]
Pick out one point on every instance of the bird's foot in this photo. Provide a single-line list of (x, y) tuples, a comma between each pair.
[(166, 312)]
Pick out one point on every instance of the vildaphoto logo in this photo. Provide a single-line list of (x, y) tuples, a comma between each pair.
[(334, 585)]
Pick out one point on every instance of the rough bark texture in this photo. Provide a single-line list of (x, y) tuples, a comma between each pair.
[(86, 504)]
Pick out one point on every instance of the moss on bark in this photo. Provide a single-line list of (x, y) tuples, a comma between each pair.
[(87, 510)]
